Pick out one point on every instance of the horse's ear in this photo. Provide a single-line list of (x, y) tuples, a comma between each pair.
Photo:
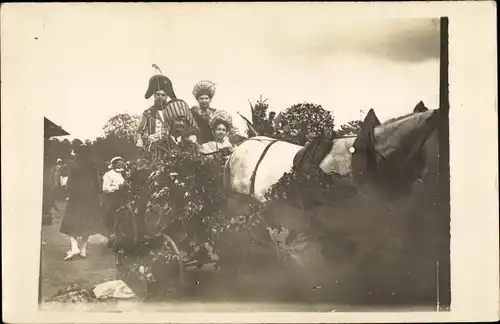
[(420, 107), (363, 159), (371, 120)]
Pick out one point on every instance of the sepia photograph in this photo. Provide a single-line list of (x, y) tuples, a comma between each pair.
[(218, 157)]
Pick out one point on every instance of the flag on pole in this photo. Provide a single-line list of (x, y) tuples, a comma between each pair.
[(252, 110), (249, 124)]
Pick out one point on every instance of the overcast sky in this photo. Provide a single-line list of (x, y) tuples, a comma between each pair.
[(81, 64)]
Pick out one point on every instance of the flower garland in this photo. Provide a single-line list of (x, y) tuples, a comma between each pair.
[(181, 196)]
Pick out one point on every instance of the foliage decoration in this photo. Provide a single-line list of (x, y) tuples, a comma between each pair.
[(306, 118)]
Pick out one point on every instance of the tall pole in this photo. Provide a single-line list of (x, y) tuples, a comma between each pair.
[(443, 197)]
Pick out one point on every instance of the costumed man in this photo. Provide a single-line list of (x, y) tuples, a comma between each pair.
[(156, 121)]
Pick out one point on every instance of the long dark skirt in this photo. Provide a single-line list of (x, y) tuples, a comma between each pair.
[(83, 217)]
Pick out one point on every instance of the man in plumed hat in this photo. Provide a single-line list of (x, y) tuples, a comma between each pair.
[(166, 122)]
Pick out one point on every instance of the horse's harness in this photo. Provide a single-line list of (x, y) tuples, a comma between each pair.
[(266, 149), (254, 173), (373, 167)]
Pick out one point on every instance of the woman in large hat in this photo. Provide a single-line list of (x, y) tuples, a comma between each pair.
[(203, 92), (220, 124)]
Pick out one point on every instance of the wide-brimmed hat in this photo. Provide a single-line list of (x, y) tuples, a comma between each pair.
[(115, 159), (160, 82)]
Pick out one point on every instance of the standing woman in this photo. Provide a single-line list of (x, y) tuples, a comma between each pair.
[(83, 212), (204, 91)]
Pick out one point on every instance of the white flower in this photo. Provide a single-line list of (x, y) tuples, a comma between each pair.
[(142, 269)]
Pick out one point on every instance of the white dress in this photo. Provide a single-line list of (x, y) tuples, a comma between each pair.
[(214, 146)]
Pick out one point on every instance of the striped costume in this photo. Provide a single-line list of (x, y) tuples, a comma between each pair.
[(157, 122)]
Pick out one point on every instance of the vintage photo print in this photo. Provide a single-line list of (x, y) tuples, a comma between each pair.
[(286, 162)]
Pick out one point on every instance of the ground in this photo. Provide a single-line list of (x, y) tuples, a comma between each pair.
[(257, 290), (99, 266)]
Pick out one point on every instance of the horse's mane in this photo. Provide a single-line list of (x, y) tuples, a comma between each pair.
[(395, 122), (395, 119)]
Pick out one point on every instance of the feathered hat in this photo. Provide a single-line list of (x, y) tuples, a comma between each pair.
[(204, 88), (160, 82)]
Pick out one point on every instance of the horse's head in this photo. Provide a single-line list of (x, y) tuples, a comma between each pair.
[(389, 155)]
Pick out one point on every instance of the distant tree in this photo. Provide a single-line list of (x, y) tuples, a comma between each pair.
[(122, 126), (55, 149), (351, 128), (106, 148)]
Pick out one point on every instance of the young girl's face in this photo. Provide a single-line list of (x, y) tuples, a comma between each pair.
[(119, 165), (220, 132)]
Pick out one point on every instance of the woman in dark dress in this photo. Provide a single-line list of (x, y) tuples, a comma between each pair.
[(203, 92), (83, 211)]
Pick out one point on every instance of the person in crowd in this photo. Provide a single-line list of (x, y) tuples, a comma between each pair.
[(57, 172), (49, 195), (287, 134), (220, 125), (203, 92), (63, 178), (271, 129), (83, 212), (272, 116), (112, 183), (138, 178), (182, 133)]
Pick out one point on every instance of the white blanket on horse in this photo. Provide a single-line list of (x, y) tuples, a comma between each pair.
[(243, 162), (277, 161)]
